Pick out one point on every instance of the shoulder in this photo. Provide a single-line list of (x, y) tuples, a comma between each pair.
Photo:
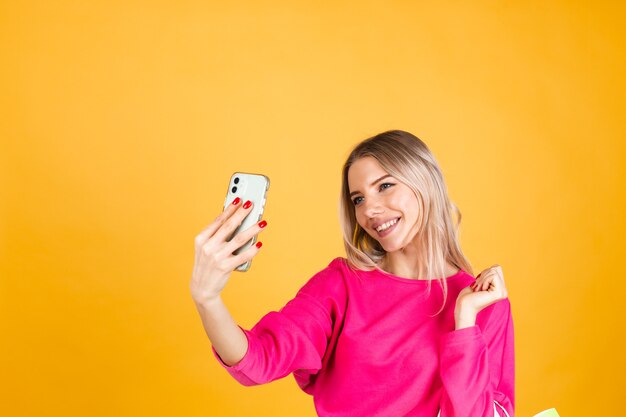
[(327, 288), (336, 267), (329, 280)]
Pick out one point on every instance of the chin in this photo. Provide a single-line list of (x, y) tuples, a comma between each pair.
[(393, 247), (392, 250)]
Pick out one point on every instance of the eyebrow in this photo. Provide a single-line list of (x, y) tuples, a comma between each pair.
[(372, 184)]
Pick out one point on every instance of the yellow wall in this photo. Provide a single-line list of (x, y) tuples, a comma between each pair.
[(122, 122)]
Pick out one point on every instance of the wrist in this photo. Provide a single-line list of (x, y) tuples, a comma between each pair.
[(208, 303), (464, 317)]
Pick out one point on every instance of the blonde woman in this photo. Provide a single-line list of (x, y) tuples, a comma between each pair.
[(400, 327)]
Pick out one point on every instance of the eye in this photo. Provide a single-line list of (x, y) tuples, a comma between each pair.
[(381, 188), (355, 201)]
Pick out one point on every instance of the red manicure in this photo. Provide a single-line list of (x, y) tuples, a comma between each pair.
[(259, 244), (262, 224), (236, 201), (247, 204)]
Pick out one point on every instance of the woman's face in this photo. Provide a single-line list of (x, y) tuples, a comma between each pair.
[(379, 198)]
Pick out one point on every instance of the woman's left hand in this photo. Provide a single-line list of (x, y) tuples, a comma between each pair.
[(488, 288)]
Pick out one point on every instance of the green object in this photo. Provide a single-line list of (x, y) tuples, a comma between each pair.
[(548, 413)]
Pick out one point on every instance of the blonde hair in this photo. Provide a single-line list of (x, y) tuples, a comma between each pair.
[(409, 160)]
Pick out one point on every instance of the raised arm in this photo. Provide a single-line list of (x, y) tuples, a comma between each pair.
[(478, 366), (214, 262), (294, 339), (477, 358), (227, 338)]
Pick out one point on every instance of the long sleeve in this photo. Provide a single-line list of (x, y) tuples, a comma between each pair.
[(477, 366), (295, 338)]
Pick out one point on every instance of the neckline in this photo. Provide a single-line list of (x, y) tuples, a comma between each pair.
[(457, 275)]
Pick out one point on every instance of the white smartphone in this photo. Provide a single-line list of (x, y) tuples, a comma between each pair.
[(251, 187)]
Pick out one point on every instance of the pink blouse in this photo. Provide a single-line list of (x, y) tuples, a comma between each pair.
[(367, 343)]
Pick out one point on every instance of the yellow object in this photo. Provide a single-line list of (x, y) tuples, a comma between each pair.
[(548, 413)]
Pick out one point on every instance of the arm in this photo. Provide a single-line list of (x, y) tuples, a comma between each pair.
[(464, 318), (214, 263), (296, 337), (227, 338), (478, 366)]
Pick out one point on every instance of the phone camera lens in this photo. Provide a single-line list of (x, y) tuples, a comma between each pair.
[(234, 190), (237, 180)]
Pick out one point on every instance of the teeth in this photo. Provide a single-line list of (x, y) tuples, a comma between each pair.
[(387, 225)]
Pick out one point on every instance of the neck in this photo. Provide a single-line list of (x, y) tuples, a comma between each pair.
[(404, 265)]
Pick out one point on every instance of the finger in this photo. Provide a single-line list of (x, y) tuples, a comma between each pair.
[(488, 281), (210, 230), (497, 269), (497, 286), (476, 278), (229, 226), (243, 237), (496, 277), (500, 274), (244, 256), (218, 222), (500, 284), (491, 280), (483, 277)]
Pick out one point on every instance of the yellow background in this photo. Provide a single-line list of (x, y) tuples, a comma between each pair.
[(122, 122)]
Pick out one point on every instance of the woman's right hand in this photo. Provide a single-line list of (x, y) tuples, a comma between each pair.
[(214, 259)]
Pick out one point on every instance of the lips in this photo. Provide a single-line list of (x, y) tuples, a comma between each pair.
[(378, 224), (390, 229)]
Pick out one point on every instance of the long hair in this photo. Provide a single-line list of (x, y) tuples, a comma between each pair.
[(409, 160)]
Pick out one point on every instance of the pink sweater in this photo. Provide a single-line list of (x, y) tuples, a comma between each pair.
[(363, 344)]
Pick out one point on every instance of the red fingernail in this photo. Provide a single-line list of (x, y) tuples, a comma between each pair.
[(236, 201), (247, 204), (262, 224), (259, 244)]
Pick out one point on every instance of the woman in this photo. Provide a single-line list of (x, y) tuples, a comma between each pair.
[(370, 335)]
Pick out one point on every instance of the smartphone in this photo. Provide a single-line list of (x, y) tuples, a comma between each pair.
[(251, 187)]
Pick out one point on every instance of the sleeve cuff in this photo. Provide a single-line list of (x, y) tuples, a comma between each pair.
[(461, 336)]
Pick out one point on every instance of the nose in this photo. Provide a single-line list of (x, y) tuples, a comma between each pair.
[(372, 207)]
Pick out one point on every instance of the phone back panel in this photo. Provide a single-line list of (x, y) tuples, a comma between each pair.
[(251, 187)]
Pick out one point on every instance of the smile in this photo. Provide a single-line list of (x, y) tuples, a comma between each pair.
[(389, 229)]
